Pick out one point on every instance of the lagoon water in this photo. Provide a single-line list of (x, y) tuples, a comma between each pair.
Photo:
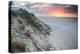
[(64, 34)]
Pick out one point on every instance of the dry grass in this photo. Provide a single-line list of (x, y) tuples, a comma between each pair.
[(18, 46)]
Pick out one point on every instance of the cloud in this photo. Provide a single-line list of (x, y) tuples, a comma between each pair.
[(47, 9), (57, 10)]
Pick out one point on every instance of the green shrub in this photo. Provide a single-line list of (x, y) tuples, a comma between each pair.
[(30, 18)]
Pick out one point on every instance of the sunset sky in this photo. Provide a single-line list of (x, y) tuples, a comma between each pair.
[(49, 9), (56, 10)]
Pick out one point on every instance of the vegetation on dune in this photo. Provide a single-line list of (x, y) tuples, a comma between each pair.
[(18, 46), (31, 19)]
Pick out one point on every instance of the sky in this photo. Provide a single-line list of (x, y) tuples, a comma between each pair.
[(56, 10), (49, 9)]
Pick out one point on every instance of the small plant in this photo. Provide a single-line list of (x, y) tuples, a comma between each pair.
[(18, 46)]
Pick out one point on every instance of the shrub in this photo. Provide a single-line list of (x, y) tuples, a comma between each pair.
[(18, 46)]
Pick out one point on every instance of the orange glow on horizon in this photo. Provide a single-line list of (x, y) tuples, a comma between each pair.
[(60, 12), (56, 11)]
